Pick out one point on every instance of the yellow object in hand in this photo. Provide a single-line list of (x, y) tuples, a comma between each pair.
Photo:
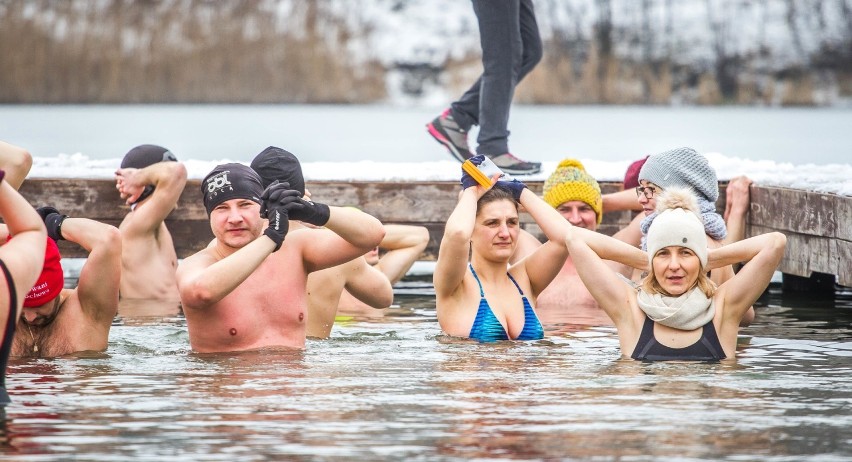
[(483, 172)]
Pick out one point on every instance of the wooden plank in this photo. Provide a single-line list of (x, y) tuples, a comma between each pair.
[(806, 254), (818, 226), (843, 214), (843, 249), (802, 212)]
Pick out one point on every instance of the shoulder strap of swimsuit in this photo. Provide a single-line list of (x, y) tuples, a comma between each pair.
[(10, 324), (710, 340), (481, 293), (646, 340), (516, 284)]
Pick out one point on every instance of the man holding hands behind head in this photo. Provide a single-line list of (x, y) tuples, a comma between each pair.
[(58, 321), (325, 287), (247, 289), (151, 180)]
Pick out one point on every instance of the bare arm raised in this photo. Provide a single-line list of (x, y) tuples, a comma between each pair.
[(369, 285), (168, 180), (98, 285), (544, 263), (402, 244), (16, 162), (455, 245), (353, 234), (738, 200), (622, 200), (207, 277), (29, 238), (762, 253), (610, 291)]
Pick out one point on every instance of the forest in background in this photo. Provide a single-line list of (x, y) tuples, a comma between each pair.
[(770, 52)]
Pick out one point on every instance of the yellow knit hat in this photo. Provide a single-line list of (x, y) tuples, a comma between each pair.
[(570, 182)]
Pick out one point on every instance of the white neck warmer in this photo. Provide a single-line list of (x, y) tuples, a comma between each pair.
[(687, 312)]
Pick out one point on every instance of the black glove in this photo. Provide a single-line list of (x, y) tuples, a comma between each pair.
[(52, 221), (275, 198), (308, 212), (515, 186)]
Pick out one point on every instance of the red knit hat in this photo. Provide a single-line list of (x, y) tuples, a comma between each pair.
[(631, 177), (50, 282)]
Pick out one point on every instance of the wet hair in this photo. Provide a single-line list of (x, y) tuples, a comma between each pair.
[(651, 285), (496, 193)]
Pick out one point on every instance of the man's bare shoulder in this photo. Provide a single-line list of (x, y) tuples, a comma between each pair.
[(201, 259)]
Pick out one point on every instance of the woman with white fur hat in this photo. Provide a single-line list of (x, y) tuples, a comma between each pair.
[(678, 313), (686, 168)]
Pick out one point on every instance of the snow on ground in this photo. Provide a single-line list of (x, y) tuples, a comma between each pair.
[(831, 178)]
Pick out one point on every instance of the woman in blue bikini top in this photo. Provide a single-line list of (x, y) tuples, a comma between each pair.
[(484, 298)]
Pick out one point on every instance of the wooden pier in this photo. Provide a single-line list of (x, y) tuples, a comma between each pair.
[(818, 226)]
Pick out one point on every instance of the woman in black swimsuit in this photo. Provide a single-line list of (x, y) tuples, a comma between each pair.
[(23, 236), (678, 313)]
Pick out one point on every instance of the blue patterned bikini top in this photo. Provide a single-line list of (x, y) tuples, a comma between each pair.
[(486, 326)]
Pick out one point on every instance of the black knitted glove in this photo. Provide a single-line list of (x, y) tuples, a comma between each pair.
[(52, 221)]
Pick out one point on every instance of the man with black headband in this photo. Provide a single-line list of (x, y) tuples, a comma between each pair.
[(247, 290), (151, 181)]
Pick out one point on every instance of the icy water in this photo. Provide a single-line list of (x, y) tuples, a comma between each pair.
[(389, 388)]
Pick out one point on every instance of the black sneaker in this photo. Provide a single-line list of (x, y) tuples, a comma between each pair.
[(514, 166), (447, 132)]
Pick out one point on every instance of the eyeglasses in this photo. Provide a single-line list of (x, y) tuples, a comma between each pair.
[(647, 191)]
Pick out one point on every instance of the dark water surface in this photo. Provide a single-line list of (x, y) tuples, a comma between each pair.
[(393, 388)]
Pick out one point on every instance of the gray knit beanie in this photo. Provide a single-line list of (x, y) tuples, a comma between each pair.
[(682, 167)]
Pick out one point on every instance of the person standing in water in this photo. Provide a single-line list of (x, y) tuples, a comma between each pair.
[(483, 297), (678, 313), (247, 290), (576, 195), (57, 321), (151, 180), (25, 237), (326, 286)]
